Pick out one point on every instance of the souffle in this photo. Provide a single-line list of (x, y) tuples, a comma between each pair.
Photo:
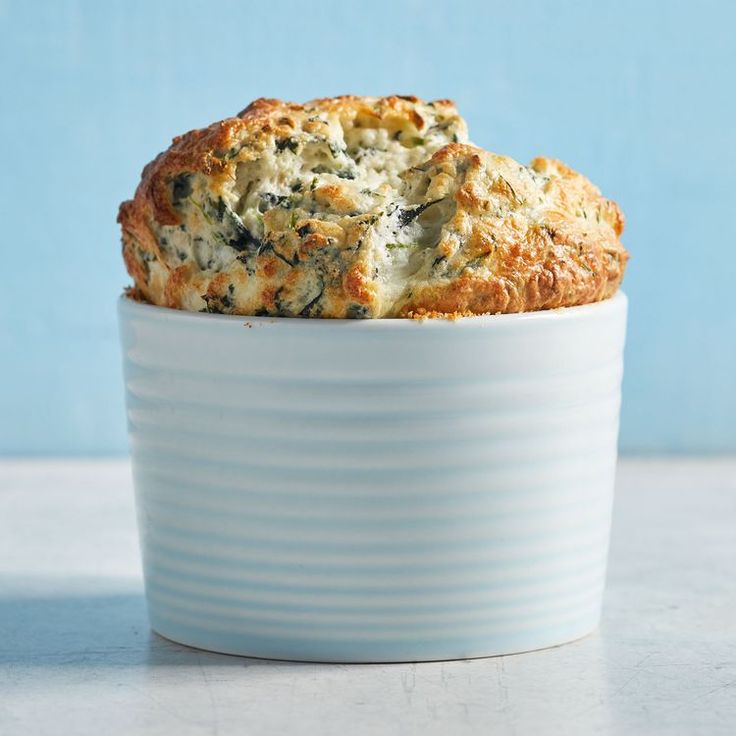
[(363, 207)]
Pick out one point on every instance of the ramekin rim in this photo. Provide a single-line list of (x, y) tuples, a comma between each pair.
[(618, 301)]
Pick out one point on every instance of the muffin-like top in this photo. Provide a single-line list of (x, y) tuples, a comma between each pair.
[(363, 207)]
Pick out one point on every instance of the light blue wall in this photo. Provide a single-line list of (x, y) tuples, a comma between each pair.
[(640, 96)]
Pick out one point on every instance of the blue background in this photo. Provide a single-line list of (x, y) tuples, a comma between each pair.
[(639, 96)]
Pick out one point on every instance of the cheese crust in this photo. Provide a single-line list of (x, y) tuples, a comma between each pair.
[(359, 207)]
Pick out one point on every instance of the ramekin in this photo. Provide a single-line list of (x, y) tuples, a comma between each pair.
[(374, 490)]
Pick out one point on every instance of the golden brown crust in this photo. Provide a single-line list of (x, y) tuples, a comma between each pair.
[(566, 253), (281, 210)]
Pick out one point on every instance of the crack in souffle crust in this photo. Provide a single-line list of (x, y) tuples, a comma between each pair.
[(363, 207)]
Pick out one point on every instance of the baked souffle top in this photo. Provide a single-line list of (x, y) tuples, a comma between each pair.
[(363, 207)]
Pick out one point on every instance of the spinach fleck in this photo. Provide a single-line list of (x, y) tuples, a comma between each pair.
[(181, 189), (356, 311), (513, 191), (283, 143), (312, 308), (269, 200), (407, 214)]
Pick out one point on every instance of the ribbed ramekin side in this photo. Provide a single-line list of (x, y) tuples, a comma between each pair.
[(326, 513)]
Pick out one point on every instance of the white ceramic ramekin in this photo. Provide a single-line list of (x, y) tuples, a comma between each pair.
[(375, 490)]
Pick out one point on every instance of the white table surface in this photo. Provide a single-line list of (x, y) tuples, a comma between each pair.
[(77, 656)]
